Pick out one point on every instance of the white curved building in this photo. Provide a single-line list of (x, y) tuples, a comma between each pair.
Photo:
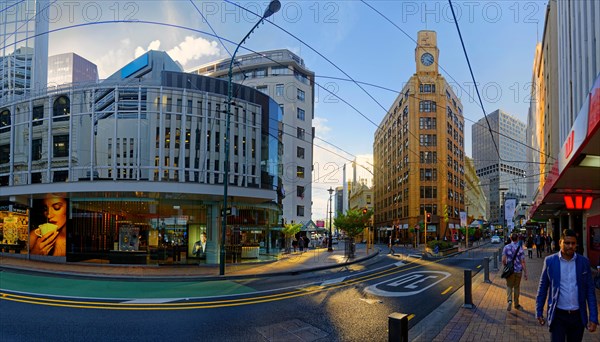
[(139, 161)]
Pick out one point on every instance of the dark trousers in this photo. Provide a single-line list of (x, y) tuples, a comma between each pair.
[(539, 250), (566, 327)]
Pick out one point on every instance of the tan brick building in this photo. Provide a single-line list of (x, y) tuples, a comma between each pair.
[(419, 152)]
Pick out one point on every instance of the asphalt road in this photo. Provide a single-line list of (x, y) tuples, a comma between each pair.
[(344, 305)]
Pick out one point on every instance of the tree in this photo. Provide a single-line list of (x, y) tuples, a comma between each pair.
[(353, 222), (290, 230)]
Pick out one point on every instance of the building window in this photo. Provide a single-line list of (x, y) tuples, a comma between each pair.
[(60, 176), (300, 95), (427, 106), (300, 114), (300, 210), (263, 89), (428, 139), (300, 191), (299, 171), (36, 149), (4, 154), (38, 115), (300, 133), (427, 88), (61, 146), (279, 90), (300, 152), (61, 109), (5, 120), (427, 123)]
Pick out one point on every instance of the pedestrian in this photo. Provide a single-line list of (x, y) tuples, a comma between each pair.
[(529, 245), (539, 245), (567, 276), (513, 252), (301, 244), (391, 246), (548, 244)]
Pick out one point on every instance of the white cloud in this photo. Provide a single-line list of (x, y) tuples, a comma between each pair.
[(154, 45), (190, 49), (114, 59)]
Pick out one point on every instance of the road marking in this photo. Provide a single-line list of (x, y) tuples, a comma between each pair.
[(447, 290), (419, 256), (370, 301), (333, 281), (412, 281), (399, 263), (478, 266), (151, 300)]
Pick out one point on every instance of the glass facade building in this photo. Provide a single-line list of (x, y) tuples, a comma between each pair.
[(131, 170)]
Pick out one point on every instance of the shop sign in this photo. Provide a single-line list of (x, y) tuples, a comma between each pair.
[(575, 138)]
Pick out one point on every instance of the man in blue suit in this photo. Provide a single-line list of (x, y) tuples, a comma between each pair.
[(568, 277)]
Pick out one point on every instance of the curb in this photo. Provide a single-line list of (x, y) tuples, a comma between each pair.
[(170, 278)]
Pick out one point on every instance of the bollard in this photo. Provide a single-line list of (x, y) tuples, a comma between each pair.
[(495, 261), (468, 291), (398, 327), (486, 270)]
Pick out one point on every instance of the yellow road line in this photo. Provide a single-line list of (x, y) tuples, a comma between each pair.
[(447, 290), (411, 316)]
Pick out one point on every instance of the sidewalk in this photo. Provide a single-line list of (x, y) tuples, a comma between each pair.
[(293, 263), (490, 321)]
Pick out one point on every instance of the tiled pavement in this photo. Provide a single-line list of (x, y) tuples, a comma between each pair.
[(490, 321)]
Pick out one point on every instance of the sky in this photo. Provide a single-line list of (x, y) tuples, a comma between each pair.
[(371, 42)]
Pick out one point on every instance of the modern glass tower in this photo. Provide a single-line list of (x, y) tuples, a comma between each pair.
[(23, 47)]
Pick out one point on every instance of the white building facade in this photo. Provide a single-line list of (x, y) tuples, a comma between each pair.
[(502, 172), (283, 76), (138, 160)]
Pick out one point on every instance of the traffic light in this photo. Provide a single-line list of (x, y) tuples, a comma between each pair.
[(364, 211), (428, 218)]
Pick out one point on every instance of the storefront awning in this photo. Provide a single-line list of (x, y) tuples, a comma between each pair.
[(569, 175)]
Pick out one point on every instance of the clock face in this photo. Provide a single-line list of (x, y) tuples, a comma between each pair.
[(427, 59)]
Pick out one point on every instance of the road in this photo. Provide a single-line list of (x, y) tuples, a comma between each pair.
[(343, 305)]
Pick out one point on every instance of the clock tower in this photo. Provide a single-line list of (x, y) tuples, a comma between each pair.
[(427, 52)]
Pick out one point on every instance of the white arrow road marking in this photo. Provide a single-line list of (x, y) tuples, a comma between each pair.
[(411, 280), (399, 263)]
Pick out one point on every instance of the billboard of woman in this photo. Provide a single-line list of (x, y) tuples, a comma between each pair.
[(48, 234)]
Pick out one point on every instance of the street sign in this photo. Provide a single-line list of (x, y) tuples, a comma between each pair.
[(228, 212), (407, 285)]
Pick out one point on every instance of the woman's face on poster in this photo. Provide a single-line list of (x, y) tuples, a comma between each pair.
[(55, 210)]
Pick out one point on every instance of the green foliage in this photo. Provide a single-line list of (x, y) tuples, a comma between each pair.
[(291, 229), (471, 231), (353, 222), (440, 243)]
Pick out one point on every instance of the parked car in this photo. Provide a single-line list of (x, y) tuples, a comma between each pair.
[(496, 239)]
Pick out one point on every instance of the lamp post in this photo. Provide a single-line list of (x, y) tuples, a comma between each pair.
[(273, 7), (330, 240)]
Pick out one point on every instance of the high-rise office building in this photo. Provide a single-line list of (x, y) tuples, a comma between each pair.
[(500, 163), (23, 47), (419, 152), (68, 68), (283, 76)]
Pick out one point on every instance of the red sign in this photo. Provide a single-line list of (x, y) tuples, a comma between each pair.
[(594, 115), (320, 223), (569, 144)]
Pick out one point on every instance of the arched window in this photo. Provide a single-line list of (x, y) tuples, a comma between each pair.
[(4, 120), (61, 109)]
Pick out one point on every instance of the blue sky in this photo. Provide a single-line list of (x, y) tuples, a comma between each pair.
[(500, 38)]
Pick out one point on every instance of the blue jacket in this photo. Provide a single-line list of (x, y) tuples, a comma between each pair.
[(550, 280)]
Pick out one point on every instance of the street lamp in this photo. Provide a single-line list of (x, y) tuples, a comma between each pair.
[(330, 240), (273, 7)]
